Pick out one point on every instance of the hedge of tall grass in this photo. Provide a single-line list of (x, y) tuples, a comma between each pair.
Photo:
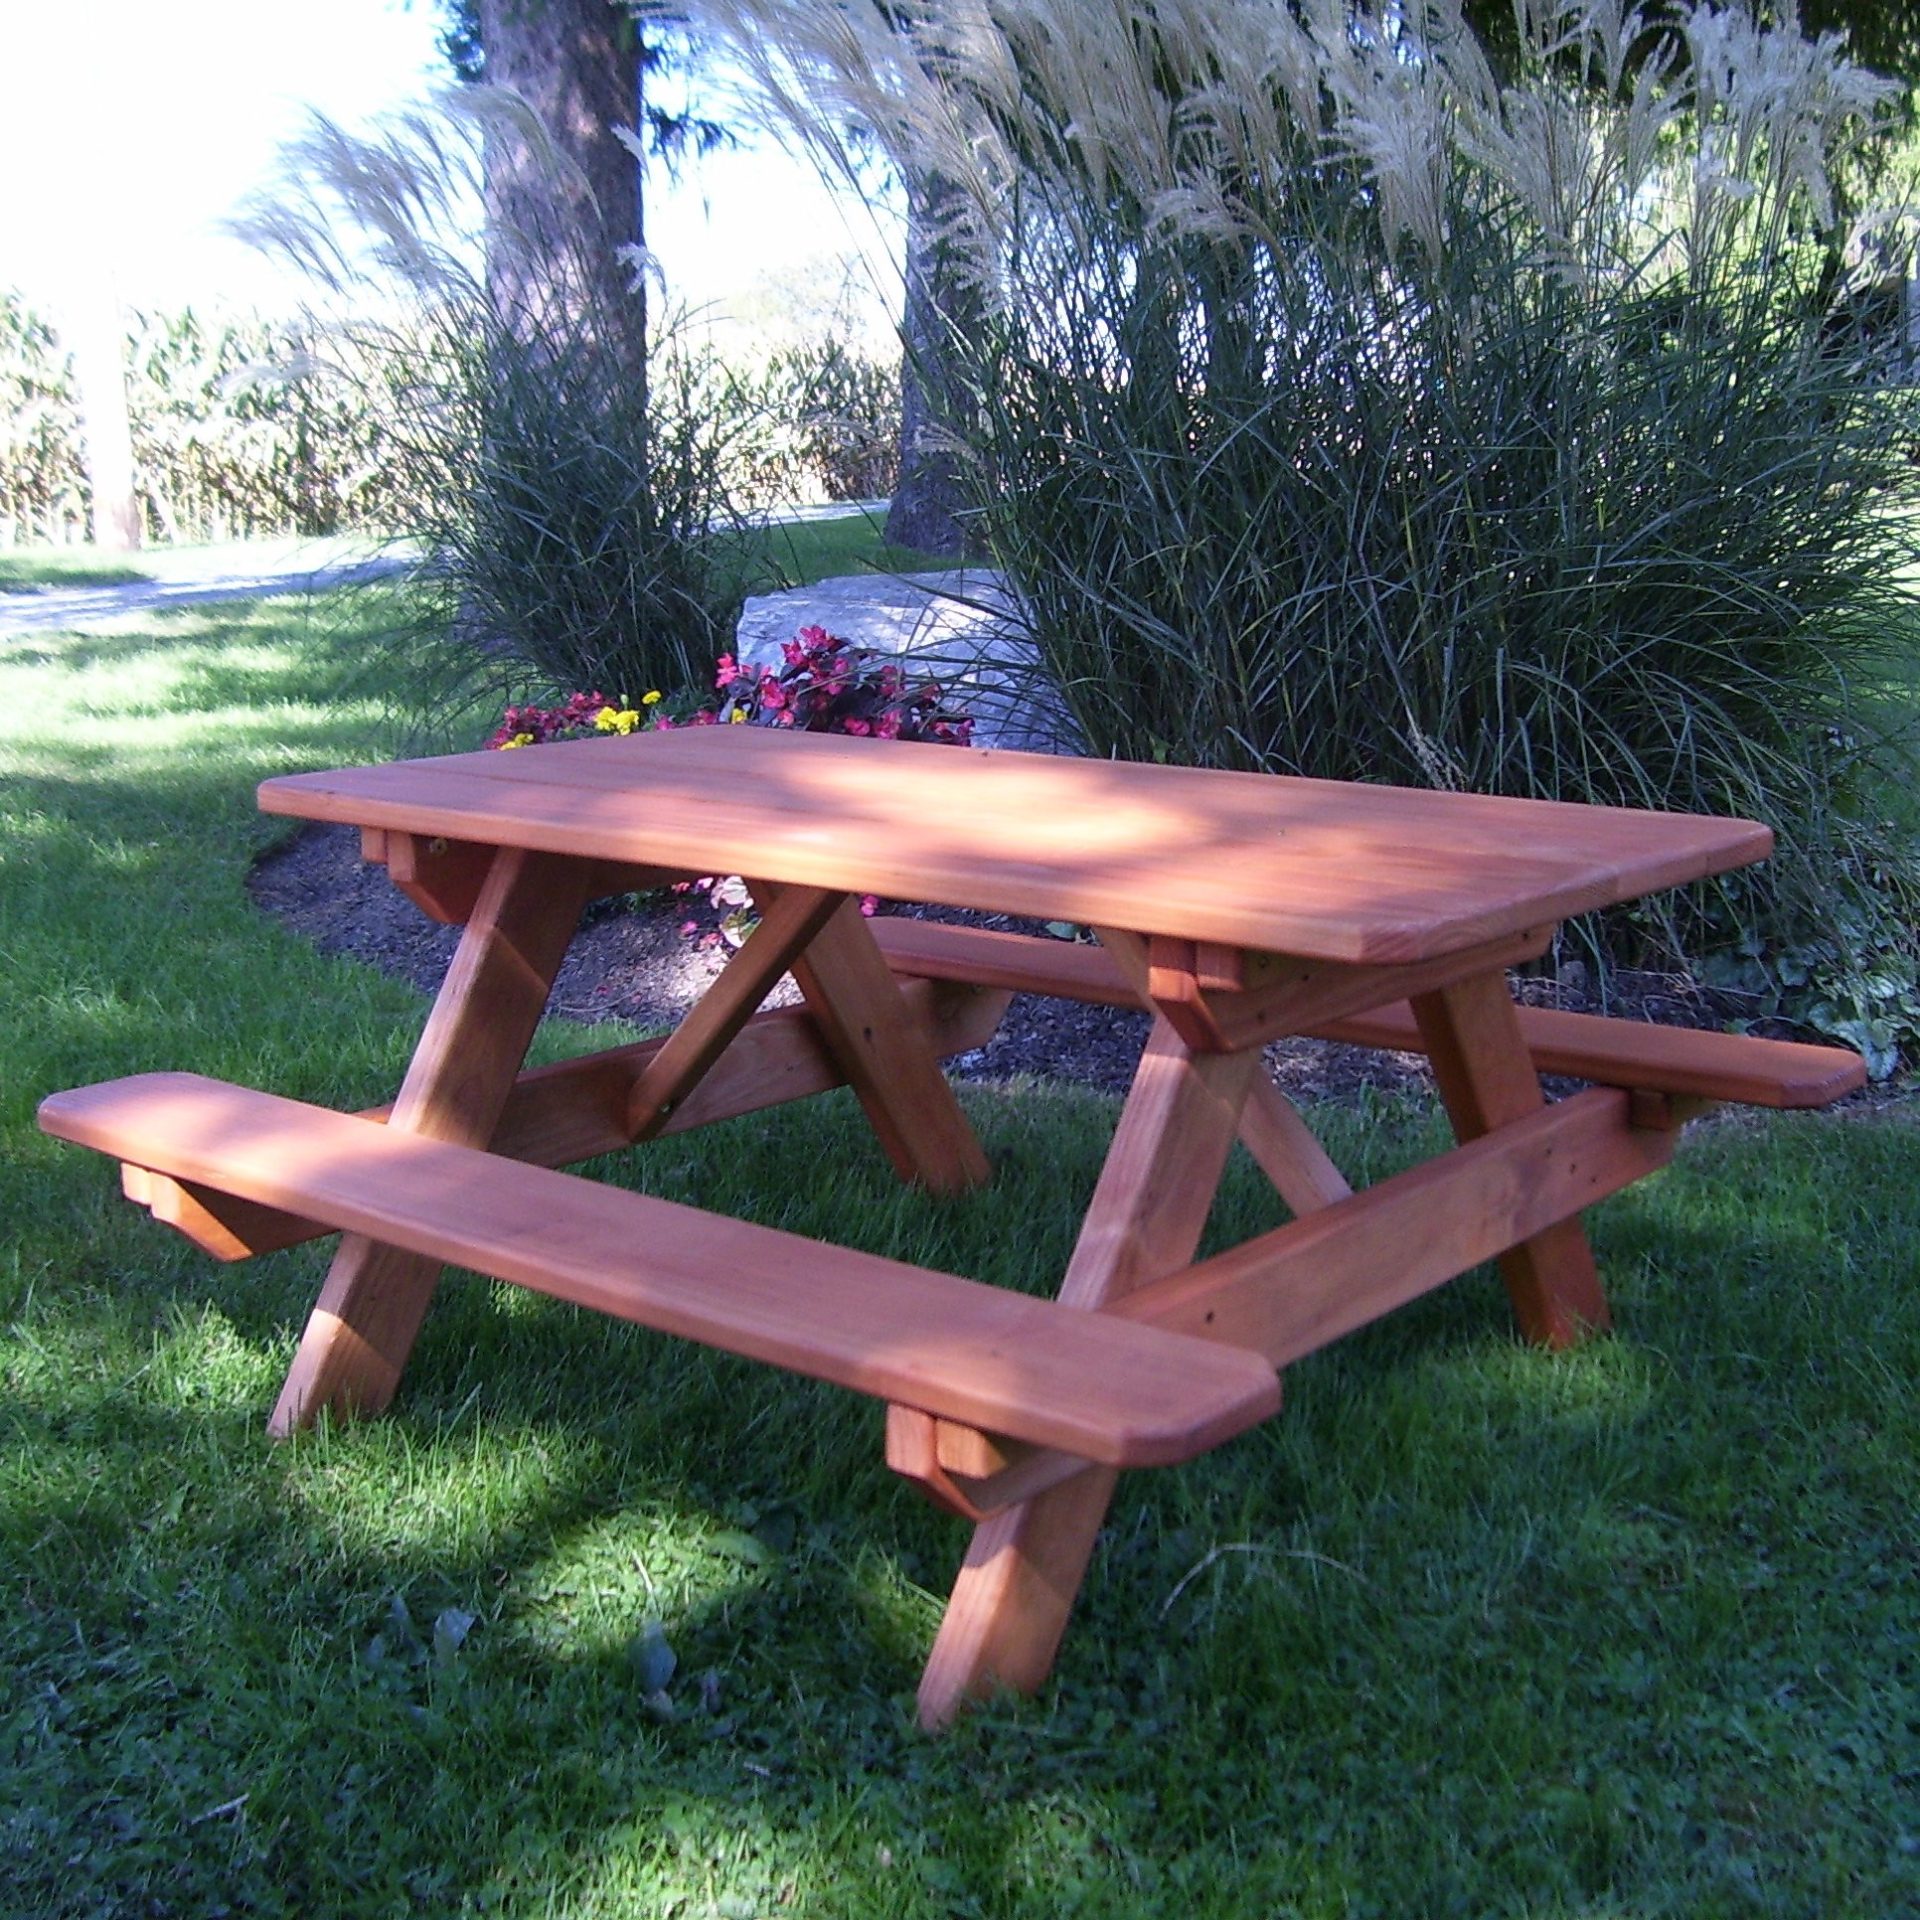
[(228, 446), (589, 490), (833, 417), (1347, 408)]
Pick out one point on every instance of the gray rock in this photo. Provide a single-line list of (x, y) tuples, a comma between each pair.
[(964, 628)]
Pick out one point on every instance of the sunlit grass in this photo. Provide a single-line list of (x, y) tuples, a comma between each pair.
[(29, 570), (809, 550), (1468, 1629)]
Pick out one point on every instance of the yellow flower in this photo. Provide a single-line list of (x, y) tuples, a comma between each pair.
[(652, 699), (616, 720), (738, 715), (518, 740)]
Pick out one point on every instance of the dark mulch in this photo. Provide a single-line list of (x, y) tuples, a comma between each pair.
[(638, 966)]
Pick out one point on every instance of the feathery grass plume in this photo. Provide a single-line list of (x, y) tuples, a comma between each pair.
[(1344, 408), (581, 526)]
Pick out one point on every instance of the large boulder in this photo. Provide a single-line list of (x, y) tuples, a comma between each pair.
[(964, 628)]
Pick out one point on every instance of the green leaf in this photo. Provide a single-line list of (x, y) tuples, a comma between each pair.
[(654, 1659), (735, 1544), (450, 1629)]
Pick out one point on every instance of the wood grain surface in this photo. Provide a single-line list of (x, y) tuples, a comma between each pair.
[(1320, 869)]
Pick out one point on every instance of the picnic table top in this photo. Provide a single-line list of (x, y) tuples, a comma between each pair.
[(1324, 870)]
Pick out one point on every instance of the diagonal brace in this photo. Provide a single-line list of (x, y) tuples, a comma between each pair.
[(792, 918)]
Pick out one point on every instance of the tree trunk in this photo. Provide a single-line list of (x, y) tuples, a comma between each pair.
[(97, 339), (928, 499), (577, 64)]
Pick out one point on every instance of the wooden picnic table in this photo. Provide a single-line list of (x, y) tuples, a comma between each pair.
[(1235, 907)]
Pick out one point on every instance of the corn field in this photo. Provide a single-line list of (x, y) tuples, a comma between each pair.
[(225, 446), (247, 428)]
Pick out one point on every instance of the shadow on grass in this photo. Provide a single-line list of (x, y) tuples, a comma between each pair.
[(1465, 1620), (314, 1662), (288, 650)]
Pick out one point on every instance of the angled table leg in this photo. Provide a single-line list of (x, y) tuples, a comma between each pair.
[(1487, 1078), (370, 1308), (876, 1042), (1025, 1565), (1285, 1149)]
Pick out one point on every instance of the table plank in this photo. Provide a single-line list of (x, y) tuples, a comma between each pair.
[(1321, 869)]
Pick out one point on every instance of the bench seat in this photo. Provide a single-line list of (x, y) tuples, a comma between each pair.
[(1633, 1054), (1089, 1384)]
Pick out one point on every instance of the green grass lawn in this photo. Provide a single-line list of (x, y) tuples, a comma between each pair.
[(596, 1624), (809, 550), (33, 569)]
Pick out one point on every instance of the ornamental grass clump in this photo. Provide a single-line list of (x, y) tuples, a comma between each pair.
[(1342, 406), (569, 471)]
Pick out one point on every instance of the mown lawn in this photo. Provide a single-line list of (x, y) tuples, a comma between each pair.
[(33, 569), (804, 550), (598, 1624)]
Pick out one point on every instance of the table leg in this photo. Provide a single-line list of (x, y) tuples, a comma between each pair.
[(1024, 1567), (793, 916), (852, 994), (370, 1308), (1285, 1149), (1486, 1078)]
